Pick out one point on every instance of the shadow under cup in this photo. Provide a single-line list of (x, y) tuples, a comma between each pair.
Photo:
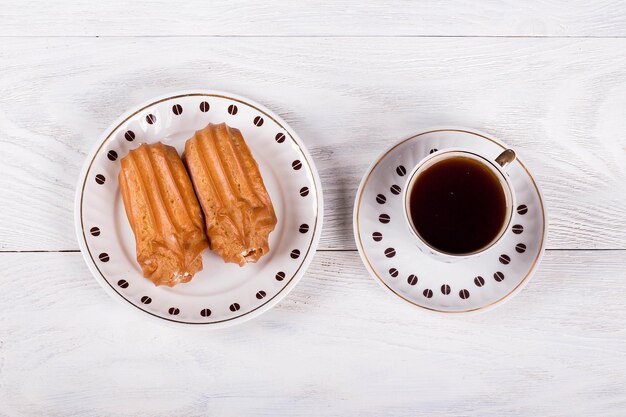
[(458, 203)]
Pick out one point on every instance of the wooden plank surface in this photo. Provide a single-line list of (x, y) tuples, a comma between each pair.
[(337, 345), (559, 102), (314, 18)]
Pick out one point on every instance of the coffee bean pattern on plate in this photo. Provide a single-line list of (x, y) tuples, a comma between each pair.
[(104, 257), (390, 252), (445, 289), (261, 294), (232, 110), (498, 276), (174, 311), (205, 312), (146, 300), (204, 107), (522, 209), (177, 109), (122, 283), (280, 276), (296, 164), (129, 135), (112, 155), (100, 179), (304, 228), (151, 119), (381, 199), (504, 259), (395, 189), (384, 218), (412, 279), (280, 137), (520, 248), (393, 272), (401, 170), (464, 294), (94, 231), (377, 236), (517, 229), (304, 191), (479, 281), (234, 307), (258, 121), (295, 254), (428, 293)]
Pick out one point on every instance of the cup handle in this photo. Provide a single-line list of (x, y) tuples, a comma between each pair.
[(505, 158)]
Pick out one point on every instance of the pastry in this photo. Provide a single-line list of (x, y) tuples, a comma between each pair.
[(164, 213), (238, 211)]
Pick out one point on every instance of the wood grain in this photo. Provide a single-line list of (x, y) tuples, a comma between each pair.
[(337, 345), (558, 102), (311, 18)]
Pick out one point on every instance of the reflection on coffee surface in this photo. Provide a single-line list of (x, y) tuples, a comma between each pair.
[(458, 205)]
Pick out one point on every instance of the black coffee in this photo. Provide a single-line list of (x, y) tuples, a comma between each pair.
[(458, 205)]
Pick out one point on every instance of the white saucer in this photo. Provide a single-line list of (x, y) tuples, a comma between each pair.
[(389, 251), (221, 294)]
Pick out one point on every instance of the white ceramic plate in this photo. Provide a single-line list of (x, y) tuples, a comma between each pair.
[(221, 294), (388, 249)]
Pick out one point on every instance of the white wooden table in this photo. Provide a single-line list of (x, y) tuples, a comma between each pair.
[(547, 77)]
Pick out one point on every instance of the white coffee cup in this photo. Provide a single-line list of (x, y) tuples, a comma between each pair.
[(497, 167)]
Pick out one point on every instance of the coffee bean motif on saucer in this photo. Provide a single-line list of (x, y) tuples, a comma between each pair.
[(498, 276), (517, 229), (280, 137), (104, 257), (151, 119), (401, 171), (146, 300), (381, 199), (505, 259), (296, 164), (129, 135), (304, 191), (232, 110), (303, 228), (479, 281), (412, 279), (395, 189), (464, 294), (520, 248), (428, 293), (390, 252), (122, 283), (205, 312), (377, 236), (295, 254), (204, 107), (234, 307), (445, 289), (100, 179), (260, 295), (280, 276), (522, 209), (95, 231), (174, 311), (393, 272), (384, 218), (433, 150), (177, 109), (258, 121)]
